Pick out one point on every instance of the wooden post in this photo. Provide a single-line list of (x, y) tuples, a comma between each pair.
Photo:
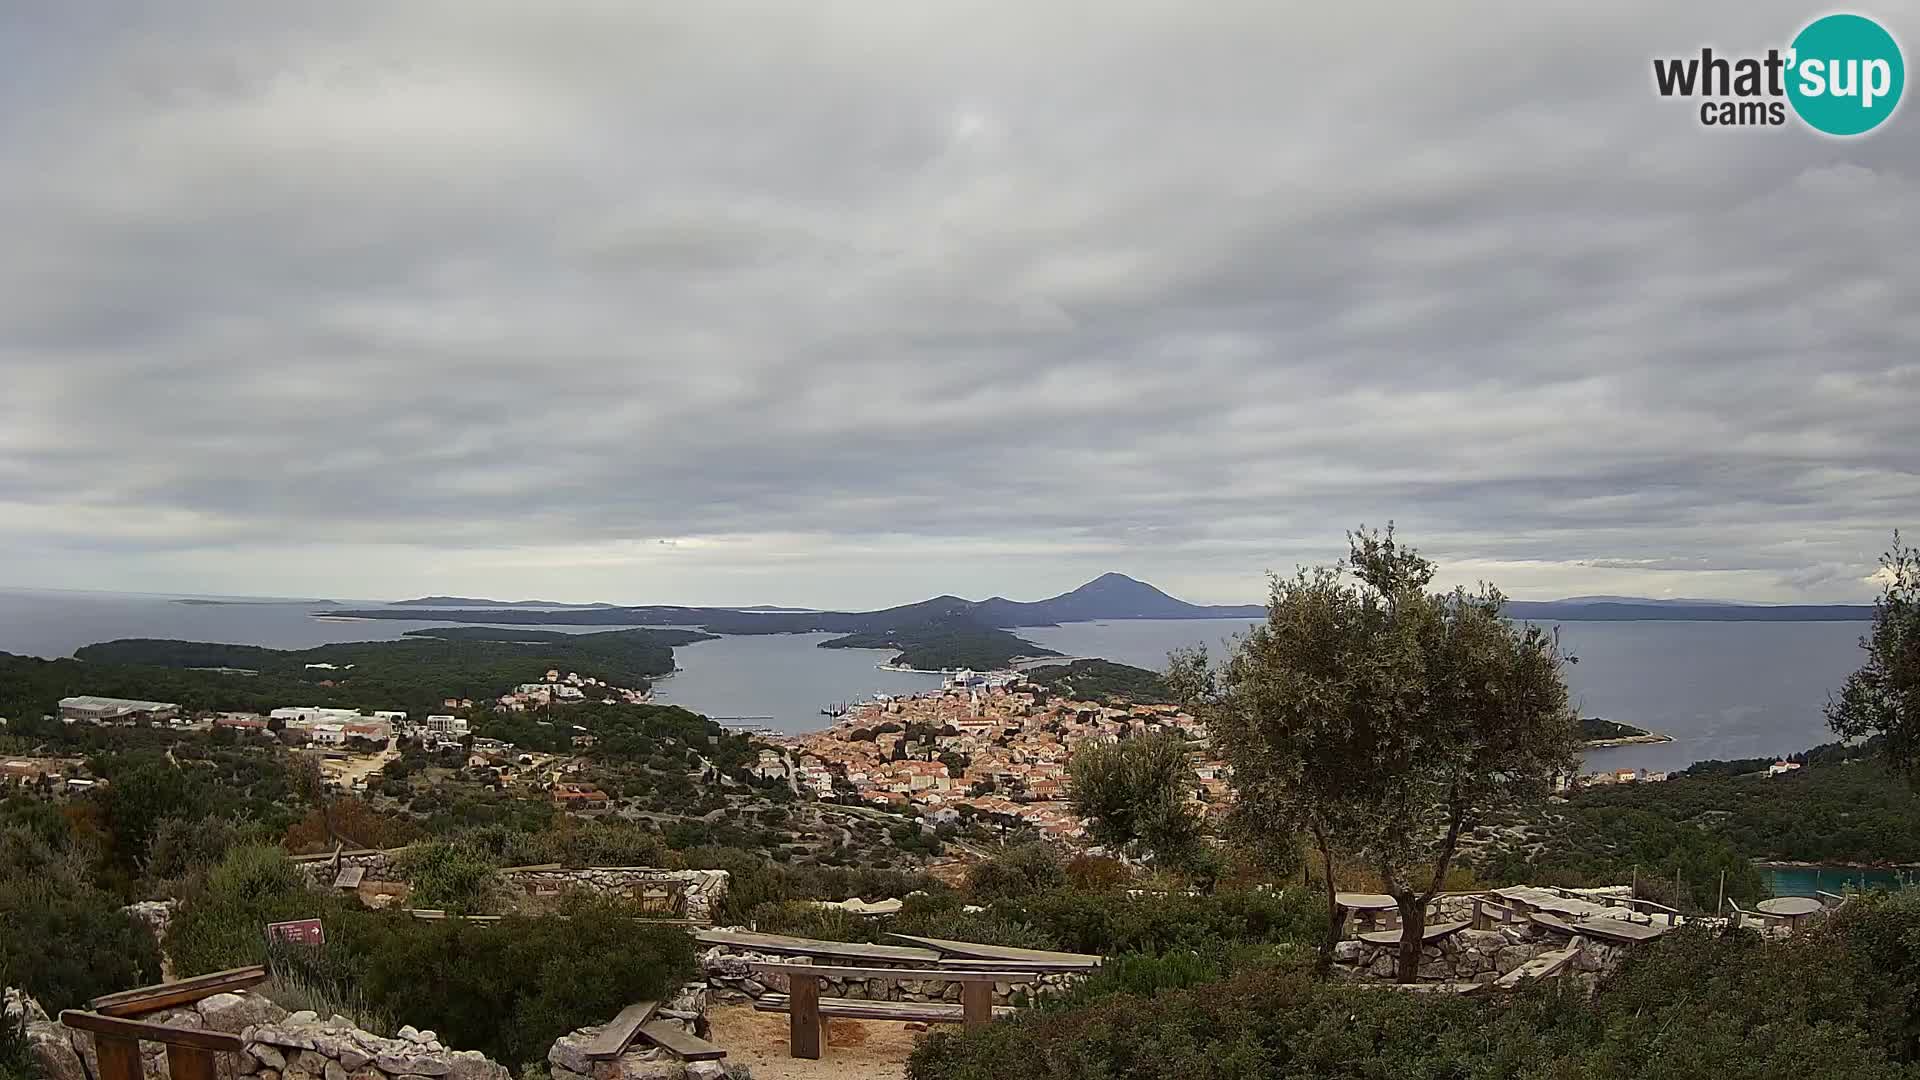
[(1480, 919), (1636, 879), (189, 1062), (976, 1003), (805, 1025), (1721, 903), (119, 1058)]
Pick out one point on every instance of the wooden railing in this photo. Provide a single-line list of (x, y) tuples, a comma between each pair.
[(190, 1051), (116, 1043)]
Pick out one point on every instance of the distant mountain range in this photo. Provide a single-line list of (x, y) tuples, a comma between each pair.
[(1109, 596)]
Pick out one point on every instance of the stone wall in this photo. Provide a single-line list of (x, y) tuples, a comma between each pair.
[(731, 978), (567, 1060), (1478, 956), (280, 1046), (699, 891), (702, 889)]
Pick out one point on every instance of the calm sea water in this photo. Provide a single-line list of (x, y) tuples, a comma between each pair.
[(1807, 880), (1721, 689)]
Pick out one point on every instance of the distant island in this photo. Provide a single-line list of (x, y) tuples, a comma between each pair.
[(950, 631), (197, 602), (1599, 734), (476, 602)]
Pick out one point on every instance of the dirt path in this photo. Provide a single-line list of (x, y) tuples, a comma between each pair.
[(855, 1050)]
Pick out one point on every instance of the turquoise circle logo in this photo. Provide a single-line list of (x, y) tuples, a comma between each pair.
[(1847, 74)]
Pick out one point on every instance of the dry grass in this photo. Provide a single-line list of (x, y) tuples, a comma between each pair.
[(855, 1050)]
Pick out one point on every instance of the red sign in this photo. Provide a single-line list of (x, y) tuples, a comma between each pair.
[(297, 932)]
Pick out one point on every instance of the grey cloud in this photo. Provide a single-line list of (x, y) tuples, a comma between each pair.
[(857, 304)]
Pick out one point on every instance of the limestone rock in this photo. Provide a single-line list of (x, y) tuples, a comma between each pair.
[(234, 1013), (474, 1065), (268, 1055), (412, 1064), (569, 1051), (334, 1071), (1347, 952), (52, 1050)]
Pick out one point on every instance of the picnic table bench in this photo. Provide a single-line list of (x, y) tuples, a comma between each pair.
[(808, 1011)]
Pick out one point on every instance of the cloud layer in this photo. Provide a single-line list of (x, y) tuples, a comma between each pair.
[(849, 304)]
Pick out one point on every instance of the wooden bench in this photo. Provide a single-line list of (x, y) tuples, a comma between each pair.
[(1428, 935), (808, 1011)]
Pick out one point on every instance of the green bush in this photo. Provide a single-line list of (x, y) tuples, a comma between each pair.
[(63, 940), (1154, 923), (1016, 873), (452, 876), (222, 923), (1839, 1002), (16, 1063), (510, 988)]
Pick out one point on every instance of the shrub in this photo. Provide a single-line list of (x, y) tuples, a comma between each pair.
[(1835, 1003), (222, 923), (1097, 873), (456, 877), (1016, 873), (805, 918), (64, 940), (511, 988), (1117, 922)]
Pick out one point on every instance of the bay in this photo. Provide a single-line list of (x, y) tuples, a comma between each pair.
[(1721, 689)]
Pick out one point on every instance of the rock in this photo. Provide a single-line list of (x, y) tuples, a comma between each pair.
[(234, 1013), (268, 1074), (409, 1033), (353, 1059), (334, 1071), (706, 1070), (559, 1073), (52, 1050), (304, 1016), (17, 1005), (474, 1065), (268, 1055), (425, 1037), (1347, 952), (412, 1064), (569, 1051)]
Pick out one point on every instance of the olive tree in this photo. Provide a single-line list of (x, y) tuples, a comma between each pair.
[(1883, 697), (1135, 793), (1385, 721)]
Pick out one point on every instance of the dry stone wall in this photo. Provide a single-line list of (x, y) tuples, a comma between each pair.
[(279, 1046), (1478, 956), (730, 977), (702, 890)]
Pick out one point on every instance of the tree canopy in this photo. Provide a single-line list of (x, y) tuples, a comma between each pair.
[(1384, 720), (1883, 697)]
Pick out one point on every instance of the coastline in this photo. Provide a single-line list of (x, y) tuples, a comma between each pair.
[(1649, 739)]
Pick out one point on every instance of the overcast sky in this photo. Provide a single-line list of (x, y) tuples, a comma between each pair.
[(849, 304)]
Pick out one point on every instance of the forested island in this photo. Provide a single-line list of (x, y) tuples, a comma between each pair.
[(1598, 733), (413, 674)]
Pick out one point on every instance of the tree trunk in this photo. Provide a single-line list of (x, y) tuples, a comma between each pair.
[(1335, 917), (1413, 926)]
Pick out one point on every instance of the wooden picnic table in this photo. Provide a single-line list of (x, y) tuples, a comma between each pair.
[(852, 952), (1431, 933), (971, 950), (1372, 911)]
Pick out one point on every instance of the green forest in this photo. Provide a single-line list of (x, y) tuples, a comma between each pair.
[(413, 674)]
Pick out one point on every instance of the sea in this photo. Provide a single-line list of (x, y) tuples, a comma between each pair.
[(1720, 689)]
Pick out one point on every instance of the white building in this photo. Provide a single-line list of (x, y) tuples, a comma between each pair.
[(447, 725), (327, 734)]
